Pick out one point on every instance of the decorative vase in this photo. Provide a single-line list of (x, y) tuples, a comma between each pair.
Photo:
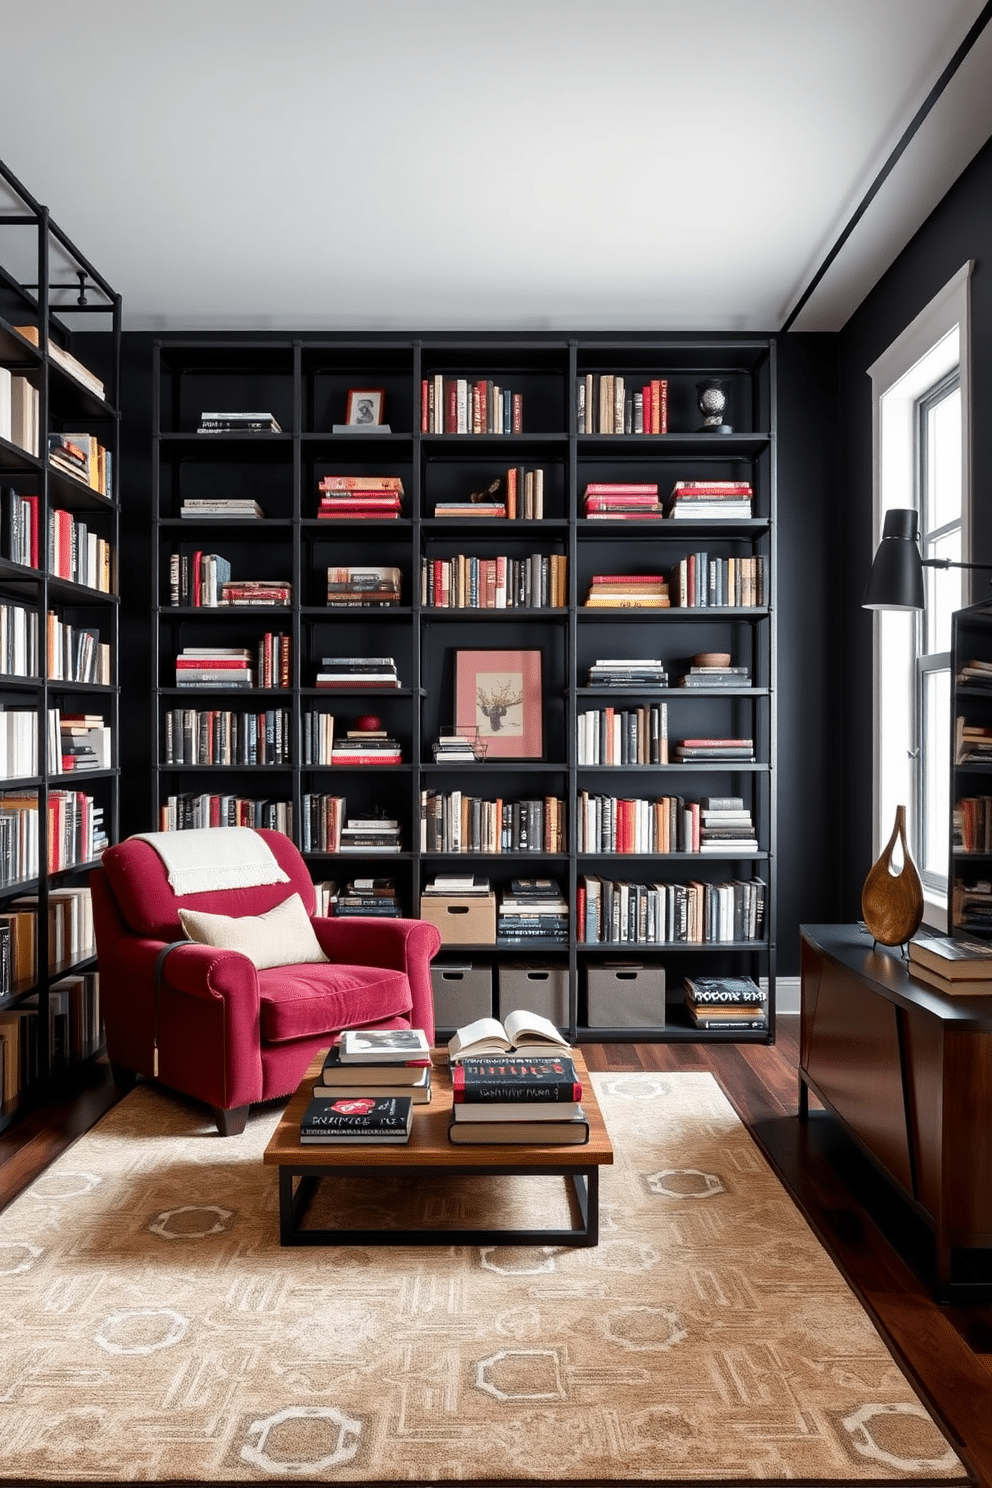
[(892, 903)]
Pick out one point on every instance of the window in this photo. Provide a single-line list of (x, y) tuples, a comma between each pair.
[(920, 399)]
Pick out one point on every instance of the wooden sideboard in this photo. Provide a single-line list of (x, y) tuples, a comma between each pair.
[(908, 1072)]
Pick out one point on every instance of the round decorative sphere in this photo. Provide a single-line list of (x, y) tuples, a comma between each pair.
[(368, 722)]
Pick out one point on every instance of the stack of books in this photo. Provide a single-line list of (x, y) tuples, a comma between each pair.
[(366, 747), (456, 885), (700, 500), (84, 741), (725, 825), (715, 676), (457, 749), (725, 1002), (627, 592), (623, 501), (264, 592), (714, 749), (360, 497), (369, 834), (972, 903), (961, 968), (84, 458), (375, 897), (972, 742), (357, 671), (221, 506), (975, 674), (384, 1061), (524, 1101), (215, 667), (534, 909), (238, 423), (370, 587), (631, 671)]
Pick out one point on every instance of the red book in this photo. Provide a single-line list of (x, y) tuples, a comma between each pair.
[(626, 579), (361, 483), (517, 422), (717, 743), (451, 408), (648, 489), (424, 407)]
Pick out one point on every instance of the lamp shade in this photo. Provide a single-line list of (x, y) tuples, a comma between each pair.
[(896, 578)]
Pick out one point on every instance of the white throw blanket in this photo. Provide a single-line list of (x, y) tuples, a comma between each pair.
[(208, 858)]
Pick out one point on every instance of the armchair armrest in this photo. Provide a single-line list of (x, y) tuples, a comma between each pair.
[(401, 945)]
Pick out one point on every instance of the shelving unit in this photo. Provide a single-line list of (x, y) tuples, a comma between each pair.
[(970, 858), (48, 287), (304, 382)]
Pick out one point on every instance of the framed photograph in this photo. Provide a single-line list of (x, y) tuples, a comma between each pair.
[(365, 406), (498, 694)]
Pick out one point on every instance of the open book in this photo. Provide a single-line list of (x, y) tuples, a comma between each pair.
[(519, 1032)]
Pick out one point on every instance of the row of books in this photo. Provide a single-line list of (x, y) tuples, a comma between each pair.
[(623, 736), (76, 654), (456, 822), (268, 664), (19, 534), (19, 742), (74, 1034), (78, 553), (606, 403), (621, 912), (220, 736), (70, 936), (189, 809), (19, 411), (74, 833), (463, 405), (65, 359), (203, 581), (82, 457), (972, 824), (360, 497), (19, 641), (700, 582), (538, 581), (666, 824)]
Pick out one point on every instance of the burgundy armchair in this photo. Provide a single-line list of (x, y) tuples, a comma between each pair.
[(218, 1029)]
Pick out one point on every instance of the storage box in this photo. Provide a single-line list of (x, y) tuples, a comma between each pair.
[(538, 986), (463, 919), (625, 994), (462, 993)]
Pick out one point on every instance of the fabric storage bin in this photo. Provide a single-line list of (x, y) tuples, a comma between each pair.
[(537, 986), (625, 994), (463, 919), (462, 993)]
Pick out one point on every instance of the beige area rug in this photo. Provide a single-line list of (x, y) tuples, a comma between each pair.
[(154, 1330)]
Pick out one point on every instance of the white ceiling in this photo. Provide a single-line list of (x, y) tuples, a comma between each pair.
[(532, 164)]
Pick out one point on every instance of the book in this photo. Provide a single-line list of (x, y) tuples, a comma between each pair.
[(388, 1072), (540, 1080), (516, 1110), (723, 990), (383, 1045), (952, 986), (954, 960), (357, 1084), (519, 1031), (358, 1119), (571, 1133)]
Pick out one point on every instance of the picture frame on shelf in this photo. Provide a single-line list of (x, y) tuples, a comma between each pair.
[(499, 695), (365, 407)]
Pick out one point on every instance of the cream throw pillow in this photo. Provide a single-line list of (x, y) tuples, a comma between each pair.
[(281, 937)]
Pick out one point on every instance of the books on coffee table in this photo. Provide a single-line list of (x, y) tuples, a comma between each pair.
[(383, 1045), (357, 1119), (517, 1099)]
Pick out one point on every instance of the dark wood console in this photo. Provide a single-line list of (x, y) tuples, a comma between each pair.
[(908, 1072)]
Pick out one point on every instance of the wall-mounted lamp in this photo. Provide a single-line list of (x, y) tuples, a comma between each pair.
[(896, 578)]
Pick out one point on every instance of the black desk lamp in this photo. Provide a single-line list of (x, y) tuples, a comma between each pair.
[(896, 578)]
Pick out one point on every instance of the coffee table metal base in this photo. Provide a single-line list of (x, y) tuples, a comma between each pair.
[(298, 1184)]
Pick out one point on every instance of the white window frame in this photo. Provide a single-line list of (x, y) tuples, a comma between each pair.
[(936, 341)]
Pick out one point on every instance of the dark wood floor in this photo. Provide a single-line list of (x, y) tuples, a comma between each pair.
[(876, 1242)]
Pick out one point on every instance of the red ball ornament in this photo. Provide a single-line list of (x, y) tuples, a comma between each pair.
[(368, 722)]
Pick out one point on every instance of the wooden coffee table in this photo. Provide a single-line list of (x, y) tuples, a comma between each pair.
[(429, 1153)]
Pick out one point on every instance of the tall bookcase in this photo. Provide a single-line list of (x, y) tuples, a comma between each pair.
[(304, 382), (970, 857), (56, 529)]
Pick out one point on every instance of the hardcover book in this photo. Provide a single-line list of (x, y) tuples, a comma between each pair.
[(363, 1118), (536, 1081), (383, 1045)]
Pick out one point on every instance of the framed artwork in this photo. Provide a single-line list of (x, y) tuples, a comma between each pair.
[(365, 405), (498, 693)]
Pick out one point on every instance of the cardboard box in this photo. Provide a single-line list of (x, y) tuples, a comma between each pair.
[(538, 986), (625, 994), (463, 919), (462, 993)]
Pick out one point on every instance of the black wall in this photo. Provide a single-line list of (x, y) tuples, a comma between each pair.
[(959, 228)]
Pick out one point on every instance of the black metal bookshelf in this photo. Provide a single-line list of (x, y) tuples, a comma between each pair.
[(304, 382)]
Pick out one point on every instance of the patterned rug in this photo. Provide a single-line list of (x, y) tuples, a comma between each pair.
[(154, 1331)]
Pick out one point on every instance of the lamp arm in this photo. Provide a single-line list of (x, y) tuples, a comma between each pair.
[(950, 563)]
